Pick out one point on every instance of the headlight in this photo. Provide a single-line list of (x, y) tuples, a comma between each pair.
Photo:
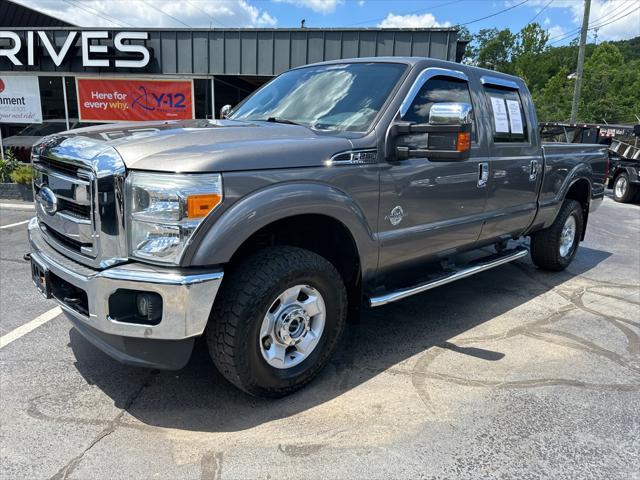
[(165, 209)]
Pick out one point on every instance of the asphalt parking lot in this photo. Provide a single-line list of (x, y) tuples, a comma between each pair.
[(513, 373)]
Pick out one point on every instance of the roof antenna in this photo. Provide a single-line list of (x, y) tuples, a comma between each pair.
[(302, 23)]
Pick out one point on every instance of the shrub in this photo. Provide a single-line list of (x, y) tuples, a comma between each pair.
[(8, 165), (22, 174)]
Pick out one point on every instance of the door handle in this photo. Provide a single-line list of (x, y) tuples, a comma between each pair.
[(483, 174), (533, 171)]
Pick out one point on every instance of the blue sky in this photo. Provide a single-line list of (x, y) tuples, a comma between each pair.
[(609, 19)]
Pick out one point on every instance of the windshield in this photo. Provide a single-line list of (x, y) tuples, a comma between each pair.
[(327, 97)]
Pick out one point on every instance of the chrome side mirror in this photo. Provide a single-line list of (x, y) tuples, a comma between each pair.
[(224, 111), (450, 113), (448, 134)]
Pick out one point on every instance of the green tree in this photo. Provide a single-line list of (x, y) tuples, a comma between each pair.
[(553, 101), (528, 61), (531, 40), (491, 48), (611, 87), (495, 48)]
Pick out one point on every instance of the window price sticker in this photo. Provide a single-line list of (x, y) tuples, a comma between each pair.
[(500, 118), (515, 117)]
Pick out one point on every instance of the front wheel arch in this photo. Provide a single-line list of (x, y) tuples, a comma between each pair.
[(217, 243)]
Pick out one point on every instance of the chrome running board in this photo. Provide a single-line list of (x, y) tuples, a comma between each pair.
[(480, 266)]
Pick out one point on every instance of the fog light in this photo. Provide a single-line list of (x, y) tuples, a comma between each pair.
[(149, 306)]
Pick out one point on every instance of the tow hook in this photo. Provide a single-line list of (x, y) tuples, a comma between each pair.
[(26, 257)]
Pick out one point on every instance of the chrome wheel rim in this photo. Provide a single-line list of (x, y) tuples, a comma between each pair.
[(621, 187), (292, 327), (568, 235)]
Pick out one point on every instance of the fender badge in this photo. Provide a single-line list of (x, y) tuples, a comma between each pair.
[(396, 215)]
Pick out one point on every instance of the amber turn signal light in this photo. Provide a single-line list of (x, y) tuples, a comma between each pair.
[(463, 142), (200, 205)]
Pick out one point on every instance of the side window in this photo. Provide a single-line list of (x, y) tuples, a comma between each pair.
[(507, 114), (436, 90)]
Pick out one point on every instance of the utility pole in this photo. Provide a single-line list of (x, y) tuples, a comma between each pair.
[(583, 39)]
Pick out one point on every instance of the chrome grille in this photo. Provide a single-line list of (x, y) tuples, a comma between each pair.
[(58, 166), (73, 195), (84, 177)]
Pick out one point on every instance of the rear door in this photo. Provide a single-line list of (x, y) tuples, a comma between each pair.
[(515, 166)]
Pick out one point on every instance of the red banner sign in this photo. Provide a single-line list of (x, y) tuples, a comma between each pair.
[(126, 100)]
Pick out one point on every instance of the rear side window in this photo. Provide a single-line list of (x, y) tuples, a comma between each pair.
[(507, 113), (437, 90)]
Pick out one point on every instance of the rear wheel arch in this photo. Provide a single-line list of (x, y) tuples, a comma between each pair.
[(580, 191)]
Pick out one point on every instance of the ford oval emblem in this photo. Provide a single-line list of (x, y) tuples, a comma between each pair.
[(48, 200)]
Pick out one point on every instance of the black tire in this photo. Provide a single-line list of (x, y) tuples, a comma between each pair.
[(627, 192), (248, 291), (545, 244)]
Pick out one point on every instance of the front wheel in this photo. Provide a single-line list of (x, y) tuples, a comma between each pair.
[(555, 247), (277, 320), (623, 190)]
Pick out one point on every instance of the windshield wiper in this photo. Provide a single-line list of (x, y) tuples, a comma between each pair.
[(280, 120)]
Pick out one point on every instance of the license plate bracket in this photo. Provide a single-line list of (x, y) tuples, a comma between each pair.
[(40, 276)]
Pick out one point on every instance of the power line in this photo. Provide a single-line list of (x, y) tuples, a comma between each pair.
[(93, 12), (613, 21), (213, 20), (165, 13), (597, 26), (609, 14), (494, 14), (540, 12), (100, 11)]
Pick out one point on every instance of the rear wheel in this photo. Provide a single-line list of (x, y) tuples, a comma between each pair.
[(623, 190), (555, 247), (277, 320)]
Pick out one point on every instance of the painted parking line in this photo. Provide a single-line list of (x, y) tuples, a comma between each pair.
[(29, 326), (14, 224), (17, 206)]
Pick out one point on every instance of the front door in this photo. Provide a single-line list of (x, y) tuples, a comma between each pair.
[(430, 207)]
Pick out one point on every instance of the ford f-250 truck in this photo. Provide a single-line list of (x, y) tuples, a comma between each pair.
[(335, 185)]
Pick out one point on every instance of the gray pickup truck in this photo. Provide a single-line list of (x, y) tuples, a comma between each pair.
[(336, 185)]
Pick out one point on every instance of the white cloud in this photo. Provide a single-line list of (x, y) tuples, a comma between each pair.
[(555, 32), (320, 6), (361, 2), (546, 22), (156, 13), (412, 21)]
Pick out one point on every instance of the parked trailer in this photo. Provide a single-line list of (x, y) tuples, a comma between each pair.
[(624, 151)]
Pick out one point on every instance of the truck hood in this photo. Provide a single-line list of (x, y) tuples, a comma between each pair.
[(203, 145)]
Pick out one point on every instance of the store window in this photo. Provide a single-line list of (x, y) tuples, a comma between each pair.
[(19, 138)]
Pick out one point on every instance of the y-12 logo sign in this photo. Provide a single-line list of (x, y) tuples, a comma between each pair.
[(112, 100), (157, 101)]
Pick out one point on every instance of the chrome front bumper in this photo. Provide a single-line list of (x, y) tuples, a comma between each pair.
[(187, 295)]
